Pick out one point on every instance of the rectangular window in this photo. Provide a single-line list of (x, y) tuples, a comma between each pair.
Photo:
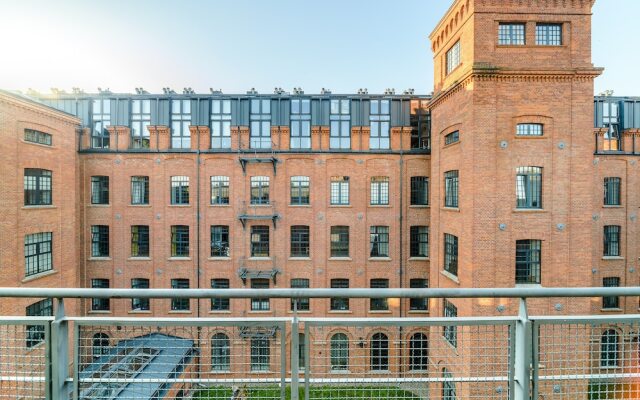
[(419, 191), (219, 241), (340, 119), (139, 241), (419, 241), (451, 189), (528, 187), (303, 302), (611, 241), (612, 191), (300, 124), (218, 304), (101, 119), (381, 303), (31, 135), (528, 259), (299, 241), (99, 190), (138, 303), (339, 241), (451, 254), (300, 190), (259, 190), (99, 241), (529, 130), (140, 121), (450, 332), (38, 253), (36, 333), (262, 303), (510, 34), (418, 304), (340, 303), (37, 187), (451, 138), (260, 241), (339, 190), (611, 301), (179, 190), (379, 119), (139, 190), (453, 57), (260, 354), (549, 34), (180, 303), (100, 304), (379, 241), (260, 137), (219, 190), (220, 124), (179, 241), (180, 122), (379, 190)]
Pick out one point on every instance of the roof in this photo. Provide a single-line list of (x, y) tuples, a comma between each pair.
[(20, 97)]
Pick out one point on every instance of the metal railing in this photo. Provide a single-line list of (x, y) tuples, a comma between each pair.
[(492, 357)]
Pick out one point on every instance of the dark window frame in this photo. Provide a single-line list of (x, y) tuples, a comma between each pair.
[(180, 241), (303, 302), (419, 303), (611, 238), (511, 34), (549, 34), (220, 245), (100, 241), (339, 191), (611, 302), (220, 190), (300, 124), (38, 137), (451, 254), (38, 187), (140, 303), (379, 191), (529, 181), (100, 304), (260, 241), (180, 190), (419, 191), (140, 190), (38, 253), (528, 261), (379, 303), (451, 189), (379, 352), (300, 187), (220, 304), (260, 188), (260, 303), (180, 303), (339, 303), (419, 241), (140, 241), (612, 191)]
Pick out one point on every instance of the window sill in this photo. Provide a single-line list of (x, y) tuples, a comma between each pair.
[(179, 259), (36, 207), (180, 205), (180, 312), (39, 275), (340, 371), (611, 310), (220, 205), (379, 311), (418, 312), (340, 312), (140, 205), (260, 312), (612, 206), (528, 285), (516, 136), (218, 258), (340, 259), (46, 146), (446, 146), (450, 276), (452, 209), (380, 372), (529, 210), (99, 258), (380, 205), (300, 312), (219, 311), (611, 258), (340, 205), (379, 259), (259, 258), (99, 312), (139, 312), (139, 259), (300, 205), (419, 206), (418, 258), (299, 258), (260, 205), (100, 205)]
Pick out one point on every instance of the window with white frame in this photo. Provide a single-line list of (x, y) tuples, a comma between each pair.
[(260, 119), (453, 57)]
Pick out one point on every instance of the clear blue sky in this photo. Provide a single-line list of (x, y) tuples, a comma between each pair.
[(238, 44)]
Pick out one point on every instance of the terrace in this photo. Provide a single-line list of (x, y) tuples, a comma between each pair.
[(503, 357)]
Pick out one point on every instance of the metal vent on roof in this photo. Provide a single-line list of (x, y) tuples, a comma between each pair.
[(409, 91), (214, 91), (188, 90), (389, 91), (325, 91), (298, 90), (252, 91), (168, 90), (363, 91), (100, 90)]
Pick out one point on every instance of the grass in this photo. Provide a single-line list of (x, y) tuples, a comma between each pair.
[(608, 390), (323, 392)]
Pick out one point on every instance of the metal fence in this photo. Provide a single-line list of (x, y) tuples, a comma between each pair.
[(504, 357)]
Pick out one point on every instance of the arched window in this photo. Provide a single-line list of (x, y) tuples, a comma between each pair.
[(100, 344), (339, 352), (419, 352), (379, 352), (609, 348), (220, 352), (448, 386)]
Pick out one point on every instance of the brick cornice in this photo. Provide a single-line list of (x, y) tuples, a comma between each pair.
[(159, 129), (486, 74)]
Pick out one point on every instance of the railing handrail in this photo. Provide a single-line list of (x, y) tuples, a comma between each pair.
[(521, 292)]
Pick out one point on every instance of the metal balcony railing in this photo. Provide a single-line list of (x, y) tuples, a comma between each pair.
[(507, 357)]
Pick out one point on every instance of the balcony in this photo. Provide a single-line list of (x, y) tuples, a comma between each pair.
[(504, 357)]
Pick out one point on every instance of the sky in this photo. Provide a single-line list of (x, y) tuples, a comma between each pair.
[(236, 45)]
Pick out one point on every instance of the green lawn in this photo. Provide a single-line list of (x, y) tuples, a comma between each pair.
[(605, 391), (324, 392)]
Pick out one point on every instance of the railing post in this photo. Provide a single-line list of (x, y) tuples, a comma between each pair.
[(59, 353), (295, 353), (523, 354)]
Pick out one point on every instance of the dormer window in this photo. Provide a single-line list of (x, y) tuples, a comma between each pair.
[(511, 34), (453, 57)]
